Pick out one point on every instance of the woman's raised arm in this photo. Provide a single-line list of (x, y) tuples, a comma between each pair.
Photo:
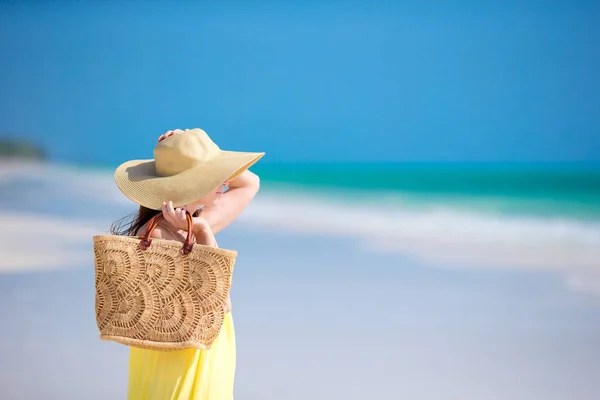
[(241, 191)]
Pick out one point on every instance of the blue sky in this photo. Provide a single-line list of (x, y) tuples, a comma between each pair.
[(306, 81)]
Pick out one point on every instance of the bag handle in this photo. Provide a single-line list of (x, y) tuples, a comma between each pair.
[(153, 223)]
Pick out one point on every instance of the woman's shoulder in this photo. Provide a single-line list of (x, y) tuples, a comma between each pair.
[(160, 233)]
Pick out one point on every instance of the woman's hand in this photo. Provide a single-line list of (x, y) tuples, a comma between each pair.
[(227, 305), (169, 133), (178, 219)]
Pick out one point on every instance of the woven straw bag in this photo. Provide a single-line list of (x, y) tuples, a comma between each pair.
[(154, 294)]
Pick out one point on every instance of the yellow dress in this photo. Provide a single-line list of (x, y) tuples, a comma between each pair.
[(185, 374)]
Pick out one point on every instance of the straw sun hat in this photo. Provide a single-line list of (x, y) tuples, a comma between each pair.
[(185, 168)]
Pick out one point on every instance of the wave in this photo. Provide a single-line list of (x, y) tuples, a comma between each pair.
[(443, 236), (440, 235)]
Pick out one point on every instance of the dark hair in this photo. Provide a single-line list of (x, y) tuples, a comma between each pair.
[(131, 224)]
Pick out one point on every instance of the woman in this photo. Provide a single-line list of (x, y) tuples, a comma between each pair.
[(188, 172)]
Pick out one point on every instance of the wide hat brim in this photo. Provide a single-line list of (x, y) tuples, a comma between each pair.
[(137, 179)]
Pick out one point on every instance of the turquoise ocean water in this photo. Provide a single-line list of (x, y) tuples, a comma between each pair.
[(544, 190)]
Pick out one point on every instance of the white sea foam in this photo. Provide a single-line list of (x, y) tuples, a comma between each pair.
[(442, 236), (439, 235)]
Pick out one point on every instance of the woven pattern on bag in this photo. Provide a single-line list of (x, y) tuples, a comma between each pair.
[(159, 298)]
